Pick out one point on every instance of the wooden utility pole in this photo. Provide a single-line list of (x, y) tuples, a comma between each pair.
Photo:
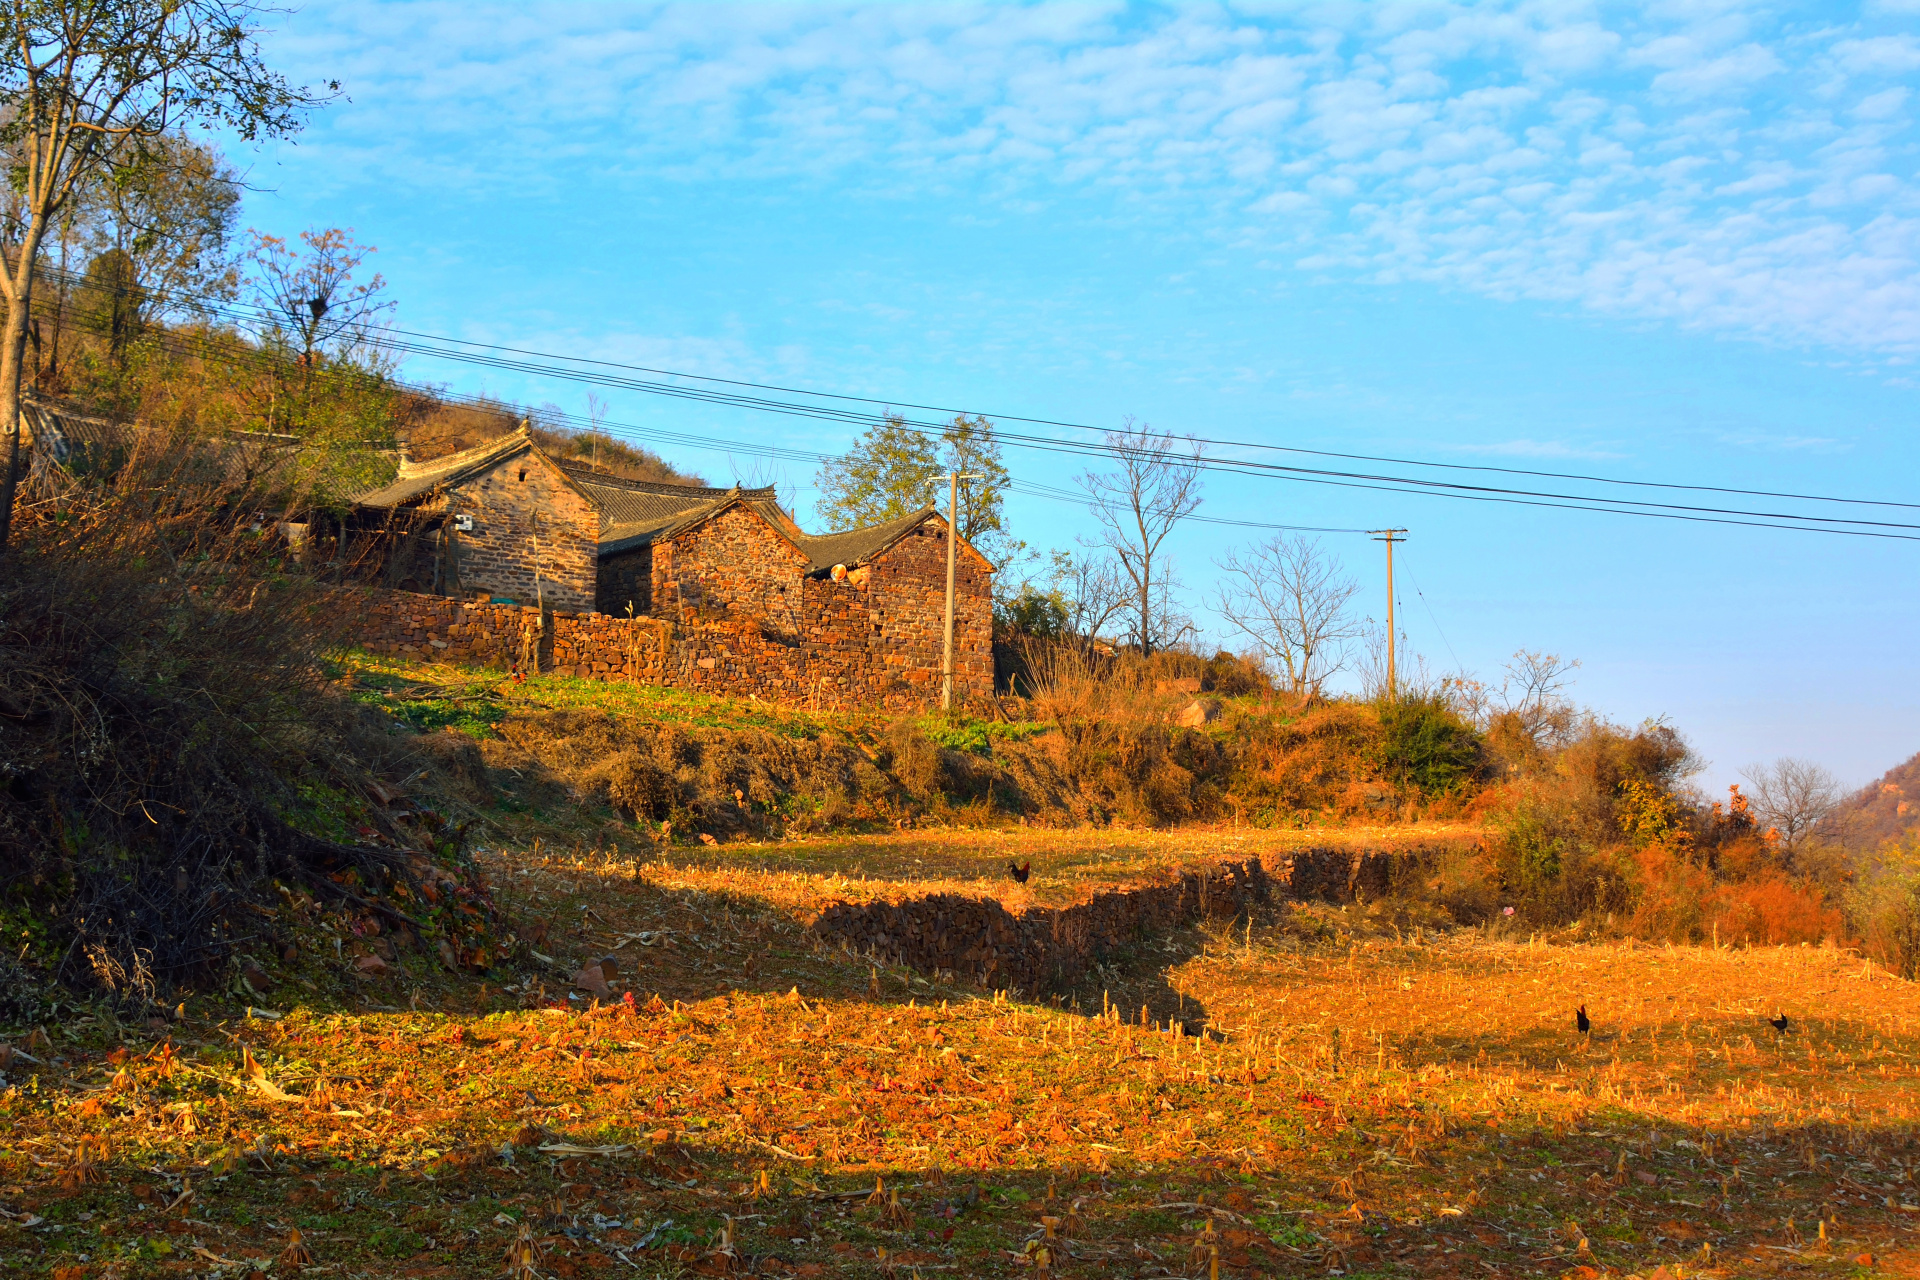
[(1390, 536), (953, 479)]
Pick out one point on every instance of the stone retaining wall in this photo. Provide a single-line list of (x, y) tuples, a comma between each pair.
[(834, 666), (1042, 949)]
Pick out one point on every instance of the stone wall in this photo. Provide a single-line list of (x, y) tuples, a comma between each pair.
[(734, 565), (521, 500), (1042, 949), (833, 665)]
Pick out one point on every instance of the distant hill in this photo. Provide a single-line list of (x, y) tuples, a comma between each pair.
[(1880, 811)]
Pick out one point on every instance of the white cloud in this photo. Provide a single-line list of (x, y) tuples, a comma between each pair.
[(1704, 164)]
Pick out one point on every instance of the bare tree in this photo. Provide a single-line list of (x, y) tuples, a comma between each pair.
[(1092, 592), (1791, 796), (1156, 486), (1530, 694), (89, 87), (315, 309), (1289, 597)]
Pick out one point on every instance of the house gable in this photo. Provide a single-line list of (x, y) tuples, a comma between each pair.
[(731, 562), (534, 535)]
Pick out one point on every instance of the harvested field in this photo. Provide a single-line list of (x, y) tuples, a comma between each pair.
[(1067, 866), (1300, 1093)]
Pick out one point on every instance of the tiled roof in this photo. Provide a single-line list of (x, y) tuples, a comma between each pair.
[(417, 479), (647, 503), (80, 442), (855, 546)]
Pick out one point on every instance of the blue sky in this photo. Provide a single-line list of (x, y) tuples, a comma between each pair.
[(1674, 242)]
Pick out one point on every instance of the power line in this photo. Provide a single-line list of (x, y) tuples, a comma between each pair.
[(505, 359), (1078, 426)]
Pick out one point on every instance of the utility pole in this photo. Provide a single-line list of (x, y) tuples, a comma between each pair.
[(953, 479), (1390, 536)]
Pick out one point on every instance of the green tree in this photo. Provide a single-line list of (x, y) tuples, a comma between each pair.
[(109, 301), (886, 476), (172, 213), (87, 88)]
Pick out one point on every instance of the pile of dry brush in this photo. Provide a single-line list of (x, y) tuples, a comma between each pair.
[(164, 724)]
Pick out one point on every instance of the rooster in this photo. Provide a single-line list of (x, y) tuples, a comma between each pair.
[(1779, 1024), (1581, 1021), (1020, 870)]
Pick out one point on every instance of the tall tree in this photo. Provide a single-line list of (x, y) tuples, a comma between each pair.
[(1288, 596), (885, 476), (173, 215), (1137, 507), (88, 87), (316, 309)]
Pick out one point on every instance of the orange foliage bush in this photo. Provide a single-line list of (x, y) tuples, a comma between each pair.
[(1311, 763), (1683, 901)]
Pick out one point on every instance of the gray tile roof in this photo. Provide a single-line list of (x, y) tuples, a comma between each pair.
[(636, 513), (856, 546), (79, 442), (647, 503)]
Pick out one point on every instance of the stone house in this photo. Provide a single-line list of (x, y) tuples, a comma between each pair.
[(861, 610)]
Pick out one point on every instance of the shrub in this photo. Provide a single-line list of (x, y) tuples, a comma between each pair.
[(1883, 905), (1290, 768), (1426, 747), (165, 731)]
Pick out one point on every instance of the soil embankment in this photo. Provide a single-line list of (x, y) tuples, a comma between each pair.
[(1037, 948)]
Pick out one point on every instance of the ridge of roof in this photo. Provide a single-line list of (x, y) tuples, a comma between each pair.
[(853, 546), (417, 478)]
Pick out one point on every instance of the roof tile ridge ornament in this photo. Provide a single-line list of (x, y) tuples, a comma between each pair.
[(413, 468)]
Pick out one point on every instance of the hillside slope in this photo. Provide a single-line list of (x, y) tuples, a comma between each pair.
[(1885, 809)]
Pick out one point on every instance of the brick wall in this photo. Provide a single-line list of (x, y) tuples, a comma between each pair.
[(517, 501), (909, 590)]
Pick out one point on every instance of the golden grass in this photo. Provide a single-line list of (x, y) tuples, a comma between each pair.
[(1067, 866)]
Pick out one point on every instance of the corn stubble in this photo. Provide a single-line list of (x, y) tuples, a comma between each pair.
[(1265, 1104)]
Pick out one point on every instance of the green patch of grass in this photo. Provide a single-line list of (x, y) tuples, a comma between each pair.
[(327, 812), (430, 696), (965, 733), (396, 1242)]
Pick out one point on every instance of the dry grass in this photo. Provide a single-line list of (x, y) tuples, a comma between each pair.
[(738, 1122), (1067, 866)]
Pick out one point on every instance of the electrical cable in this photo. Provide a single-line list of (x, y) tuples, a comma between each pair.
[(395, 340), (1432, 617)]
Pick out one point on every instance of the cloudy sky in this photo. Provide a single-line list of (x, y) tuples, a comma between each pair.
[(1675, 242)]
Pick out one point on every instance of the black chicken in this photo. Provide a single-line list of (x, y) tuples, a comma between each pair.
[(1778, 1024), (1581, 1021), (1020, 870)]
